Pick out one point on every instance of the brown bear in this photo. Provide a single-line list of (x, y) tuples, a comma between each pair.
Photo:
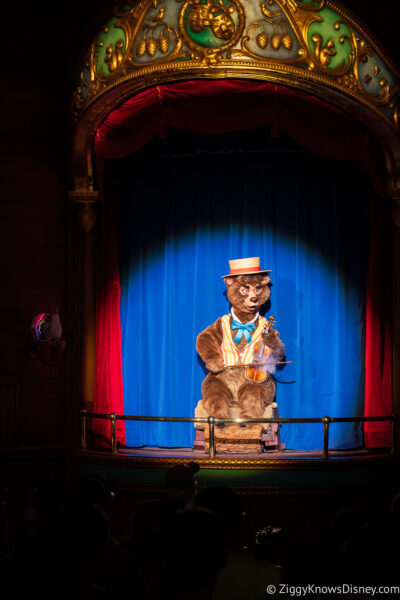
[(230, 341)]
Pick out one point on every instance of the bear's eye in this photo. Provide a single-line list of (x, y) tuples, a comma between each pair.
[(244, 291), (258, 289)]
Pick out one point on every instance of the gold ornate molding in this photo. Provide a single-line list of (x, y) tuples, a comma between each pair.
[(85, 201), (238, 463), (314, 45), (84, 196), (313, 39)]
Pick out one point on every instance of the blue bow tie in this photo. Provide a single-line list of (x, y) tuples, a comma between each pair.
[(243, 330)]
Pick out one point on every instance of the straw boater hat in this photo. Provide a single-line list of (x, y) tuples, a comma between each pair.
[(246, 266)]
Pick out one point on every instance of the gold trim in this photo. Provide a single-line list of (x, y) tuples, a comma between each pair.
[(265, 70), (84, 196), (346, 91), (300, 18), (385, 95), (383, 128), (351, 18), (250, 464)]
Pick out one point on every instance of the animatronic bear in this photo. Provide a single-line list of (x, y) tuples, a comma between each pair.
[(231, 341)]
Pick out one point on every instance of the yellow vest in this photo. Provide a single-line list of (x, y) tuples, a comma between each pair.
[(230, 354)]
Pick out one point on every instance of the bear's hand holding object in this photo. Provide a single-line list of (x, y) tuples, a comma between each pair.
[(271, 338)]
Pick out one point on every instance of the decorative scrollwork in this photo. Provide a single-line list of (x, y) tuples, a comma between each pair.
[(114, 55), (280, 38), (349, 81), (339, 45), (312, 39), (293, 5), (323, 54), (157, 35), (211, 27), (371, 79), (213, 14)]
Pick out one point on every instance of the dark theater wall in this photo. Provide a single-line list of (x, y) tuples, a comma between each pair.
[(34, 222)]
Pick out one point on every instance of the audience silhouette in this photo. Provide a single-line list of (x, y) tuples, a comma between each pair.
[(189, 543)]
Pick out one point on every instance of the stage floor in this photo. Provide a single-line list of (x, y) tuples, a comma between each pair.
[(191, 454)]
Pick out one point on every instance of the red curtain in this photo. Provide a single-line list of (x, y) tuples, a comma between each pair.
[(236, 105), (378, 371), (108, 384)]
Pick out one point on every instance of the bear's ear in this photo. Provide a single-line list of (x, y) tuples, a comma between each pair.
[(266, 280), (228, 281)]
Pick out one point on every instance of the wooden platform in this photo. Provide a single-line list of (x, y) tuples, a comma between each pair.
[(236, 439), (254, 438), (227, 438)]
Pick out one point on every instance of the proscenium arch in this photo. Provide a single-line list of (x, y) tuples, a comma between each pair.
[(330, 54), (317, 46)]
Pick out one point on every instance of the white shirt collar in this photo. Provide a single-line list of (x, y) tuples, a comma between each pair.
[(236, 319)]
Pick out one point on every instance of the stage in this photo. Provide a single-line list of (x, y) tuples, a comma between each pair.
[(299, 491), (274, 455)]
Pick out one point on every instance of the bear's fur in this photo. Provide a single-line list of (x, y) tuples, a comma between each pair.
[(226, 388)]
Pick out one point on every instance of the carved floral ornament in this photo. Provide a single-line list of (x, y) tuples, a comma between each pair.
[(312, 44), (314, 39)]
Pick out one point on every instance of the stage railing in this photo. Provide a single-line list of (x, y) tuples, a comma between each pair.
[(212, 421)]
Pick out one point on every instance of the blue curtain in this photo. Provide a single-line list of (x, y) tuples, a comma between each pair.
[(182, 215)]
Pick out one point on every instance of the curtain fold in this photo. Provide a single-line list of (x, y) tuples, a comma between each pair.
[(378, 375), (108, 384), (222, 106), (237, 105)]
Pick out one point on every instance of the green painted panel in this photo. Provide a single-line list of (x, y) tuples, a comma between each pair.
[(112, 36), (327, 31), (372, 72)]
